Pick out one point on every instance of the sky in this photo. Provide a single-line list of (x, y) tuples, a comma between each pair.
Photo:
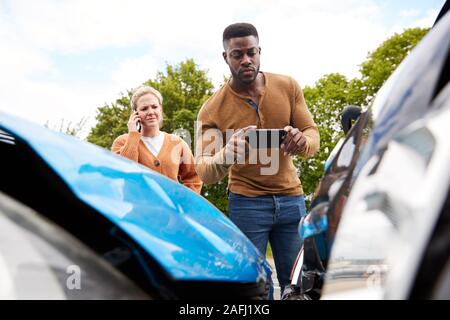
[(62, 59)]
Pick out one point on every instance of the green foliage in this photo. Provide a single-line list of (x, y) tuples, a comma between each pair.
[(382, 62), (327, 98), (333, 92), (111, 122), (184, 89), (325, 101), (217, 194)]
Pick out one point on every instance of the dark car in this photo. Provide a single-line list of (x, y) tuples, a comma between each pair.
[(379, 225), (79, 222)]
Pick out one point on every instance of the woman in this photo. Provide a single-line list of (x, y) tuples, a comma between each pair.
[(165, 153)]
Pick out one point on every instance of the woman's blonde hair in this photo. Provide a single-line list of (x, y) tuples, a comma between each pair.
[(143, 90)]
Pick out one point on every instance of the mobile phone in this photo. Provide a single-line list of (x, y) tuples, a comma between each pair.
[(138, 125), (265, 138)]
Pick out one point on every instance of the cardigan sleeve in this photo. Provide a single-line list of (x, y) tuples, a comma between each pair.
[(127, 145), (187, 173)]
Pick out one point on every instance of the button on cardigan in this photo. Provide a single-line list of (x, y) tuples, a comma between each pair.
[(174, 160)]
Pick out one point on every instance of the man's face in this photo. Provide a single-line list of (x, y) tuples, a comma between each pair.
[(242, 56)]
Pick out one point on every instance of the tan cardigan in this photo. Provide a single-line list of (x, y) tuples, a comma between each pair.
[(174, 160), (281, 104)]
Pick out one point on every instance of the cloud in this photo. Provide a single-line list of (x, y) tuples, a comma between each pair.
[(305, 39), (133, 72), (409, 13), (317, 41), (426, 21), (73, 26)]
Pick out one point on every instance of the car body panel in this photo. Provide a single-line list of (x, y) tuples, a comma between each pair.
[(401, 181), (36, 253), (181, 230), (389, 219)]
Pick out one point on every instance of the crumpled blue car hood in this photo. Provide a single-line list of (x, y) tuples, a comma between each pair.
[(189, 237)]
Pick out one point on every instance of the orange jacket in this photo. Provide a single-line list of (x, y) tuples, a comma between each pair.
[(174, 160)]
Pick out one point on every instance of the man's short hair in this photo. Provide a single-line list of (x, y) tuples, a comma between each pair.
[(237, 30)]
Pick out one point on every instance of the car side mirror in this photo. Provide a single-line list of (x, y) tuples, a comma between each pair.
[(349, 116)]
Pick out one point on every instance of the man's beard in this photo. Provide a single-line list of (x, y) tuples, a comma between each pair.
[(244, 79)]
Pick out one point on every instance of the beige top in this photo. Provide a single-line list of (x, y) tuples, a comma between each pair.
[(281, 104), (174, 160)]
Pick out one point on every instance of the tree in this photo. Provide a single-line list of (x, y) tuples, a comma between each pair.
[(111, 122), (184, 88), (217, 194), (382, 62), (325, 101), (333, 92), (69, 128)]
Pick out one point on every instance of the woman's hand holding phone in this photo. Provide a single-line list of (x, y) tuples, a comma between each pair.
[(134, 122), (138, 125)]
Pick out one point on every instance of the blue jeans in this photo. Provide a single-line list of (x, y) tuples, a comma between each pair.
[(273, 218)]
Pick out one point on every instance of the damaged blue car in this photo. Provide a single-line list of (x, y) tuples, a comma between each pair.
[(78, 222)]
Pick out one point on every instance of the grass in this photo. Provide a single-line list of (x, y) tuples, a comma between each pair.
[(268, 251)]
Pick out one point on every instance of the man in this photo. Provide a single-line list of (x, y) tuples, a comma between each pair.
[(266, 207)]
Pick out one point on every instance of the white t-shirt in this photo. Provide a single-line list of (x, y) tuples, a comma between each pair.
[(155, 143)]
